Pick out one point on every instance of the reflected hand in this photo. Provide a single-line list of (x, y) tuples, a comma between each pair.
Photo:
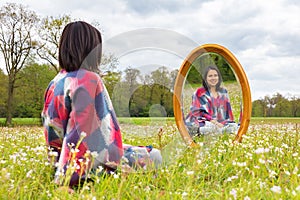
[(216, 123), (219, 125)]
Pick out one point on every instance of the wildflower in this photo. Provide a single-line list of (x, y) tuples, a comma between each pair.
[(83, 134), (71, 145), (287, 173), (270, 161), (229, 179), (249, 155), (276, 189), (48, 193), (76, 166), (100, 168), (233, 192), (56, 164), (53, 153), (262, 150), (295, 154), (29, 173), (116, 176), (5, 173), (262, 161), (13, 157), (241, 164), (295, 171), (7, 176), (190, 172), (94, 154), (272, 174), (75, 150), (184, 194), (147, 188), (86, 188), (262, 184)]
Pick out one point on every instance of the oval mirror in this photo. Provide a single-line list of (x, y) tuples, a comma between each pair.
[(211, 95)]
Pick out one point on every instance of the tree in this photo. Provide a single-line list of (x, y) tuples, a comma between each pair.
[(259, 108), (198, 67), (3, 92), (173, 76), (108, 65), (131, 80), (50, 31), (31, 85), (111, 79), (161, 81), (148, 91), (282, 106), (194, 76), (16, 43), (277, 106), (295, 106)]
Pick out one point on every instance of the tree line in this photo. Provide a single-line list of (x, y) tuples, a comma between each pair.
[(132, 93), (276, 106)]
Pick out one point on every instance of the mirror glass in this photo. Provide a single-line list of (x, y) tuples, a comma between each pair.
[(211, 96), (198, 102)]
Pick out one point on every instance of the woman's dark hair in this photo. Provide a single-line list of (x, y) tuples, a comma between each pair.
[(80, 46), (211, 67)]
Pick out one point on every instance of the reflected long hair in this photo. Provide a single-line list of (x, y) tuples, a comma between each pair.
[(204, 83), (80, 46)]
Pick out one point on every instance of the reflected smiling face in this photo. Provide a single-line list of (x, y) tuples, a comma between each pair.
[(212, 78)]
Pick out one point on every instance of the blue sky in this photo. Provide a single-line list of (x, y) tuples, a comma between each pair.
[(263, 35)]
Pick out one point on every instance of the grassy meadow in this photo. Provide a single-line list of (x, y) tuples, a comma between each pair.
[(264, 166)]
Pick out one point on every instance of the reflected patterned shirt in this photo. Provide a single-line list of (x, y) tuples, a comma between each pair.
[(205, 108), (78, 113)]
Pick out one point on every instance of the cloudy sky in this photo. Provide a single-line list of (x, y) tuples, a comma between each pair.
[(263, 35)]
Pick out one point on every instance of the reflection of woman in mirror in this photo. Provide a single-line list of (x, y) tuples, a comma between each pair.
[(210, 111)]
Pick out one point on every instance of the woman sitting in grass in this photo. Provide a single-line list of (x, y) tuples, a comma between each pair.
[(81, 127), (210, 111)]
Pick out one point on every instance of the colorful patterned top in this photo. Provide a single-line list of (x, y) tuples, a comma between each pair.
[(205, 108), (80, 123)]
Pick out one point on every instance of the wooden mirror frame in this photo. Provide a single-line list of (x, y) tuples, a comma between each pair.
[(180, 79)]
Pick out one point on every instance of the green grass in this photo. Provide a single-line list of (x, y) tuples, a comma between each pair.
[(275, 120), (264, 166), (23, 121), (144, 121), (122, 120)]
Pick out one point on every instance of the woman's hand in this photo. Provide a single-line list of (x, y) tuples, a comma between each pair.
[(216, 123)]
